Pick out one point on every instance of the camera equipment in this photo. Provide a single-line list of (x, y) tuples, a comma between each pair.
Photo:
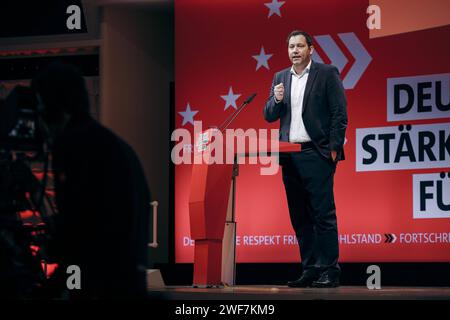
[(21, 147), (19, 121)]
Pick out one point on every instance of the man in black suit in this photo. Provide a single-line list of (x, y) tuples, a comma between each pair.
[(310, 102)]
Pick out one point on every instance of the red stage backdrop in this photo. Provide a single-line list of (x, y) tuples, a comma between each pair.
[(393, 191)]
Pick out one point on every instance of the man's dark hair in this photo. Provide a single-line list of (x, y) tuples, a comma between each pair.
[(62, 89), (294, 33)]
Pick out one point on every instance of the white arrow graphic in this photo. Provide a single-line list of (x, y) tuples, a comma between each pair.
[(362, 59), (334, 53), (394, 238), (338, 59), (316, 57)]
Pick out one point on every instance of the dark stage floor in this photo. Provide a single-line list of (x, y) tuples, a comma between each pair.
[(264, 292)]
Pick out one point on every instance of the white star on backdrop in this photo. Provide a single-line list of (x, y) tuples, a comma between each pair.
[(188, 115), (274, 7), (262, 59), (230, 99)]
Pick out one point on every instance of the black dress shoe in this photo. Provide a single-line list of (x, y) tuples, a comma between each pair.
[(304, 281), (326, 281)]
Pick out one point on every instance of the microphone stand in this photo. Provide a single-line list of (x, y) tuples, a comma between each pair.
[(231, 221)]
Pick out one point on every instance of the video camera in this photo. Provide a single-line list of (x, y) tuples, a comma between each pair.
[(21, 142), (19, 128), (21, 147)]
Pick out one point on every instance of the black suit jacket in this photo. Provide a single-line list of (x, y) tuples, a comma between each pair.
[(324, 108)]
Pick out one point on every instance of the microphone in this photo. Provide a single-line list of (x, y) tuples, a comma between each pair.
[(230, 119), (249, 99)]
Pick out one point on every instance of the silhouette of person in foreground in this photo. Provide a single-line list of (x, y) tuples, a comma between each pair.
[(102, 195)]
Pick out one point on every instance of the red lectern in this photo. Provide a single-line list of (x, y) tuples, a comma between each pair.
[(211, 184)]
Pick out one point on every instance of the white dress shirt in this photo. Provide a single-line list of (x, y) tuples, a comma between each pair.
[(297, 132)]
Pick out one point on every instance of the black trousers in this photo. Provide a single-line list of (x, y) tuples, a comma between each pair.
[(308, 180)]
